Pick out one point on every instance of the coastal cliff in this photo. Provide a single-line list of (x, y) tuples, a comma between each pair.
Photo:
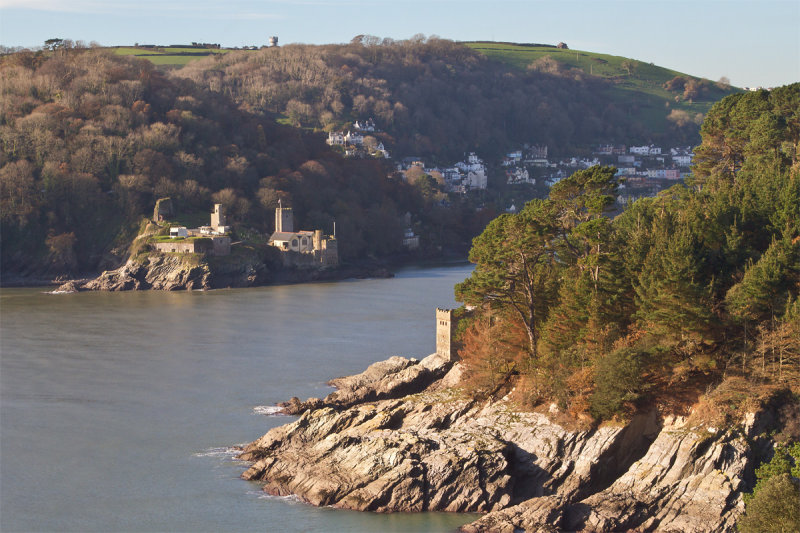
[(169, 272), (401, 437)]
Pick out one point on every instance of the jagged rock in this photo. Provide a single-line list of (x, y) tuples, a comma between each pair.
[(170, 272), (383, 456), (393, 378), (689, 481), (69, 286), (542, 515), (439, 450), (167, 272)]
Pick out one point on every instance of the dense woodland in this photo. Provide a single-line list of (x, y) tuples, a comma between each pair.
[(695, 285), (89, 141), (432, 97)]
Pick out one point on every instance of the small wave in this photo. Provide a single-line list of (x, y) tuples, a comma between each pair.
[(262, 495), (59, 292), (269, 410), (227, 451)]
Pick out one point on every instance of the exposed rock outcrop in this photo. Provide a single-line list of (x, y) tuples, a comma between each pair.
[(392, 378), (369, 446), (166, 272), (171, 271)]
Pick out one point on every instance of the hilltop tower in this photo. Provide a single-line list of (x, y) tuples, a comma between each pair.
[(444, 320), (284, 221)]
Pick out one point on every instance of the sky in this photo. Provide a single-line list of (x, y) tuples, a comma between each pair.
[(754, 43)]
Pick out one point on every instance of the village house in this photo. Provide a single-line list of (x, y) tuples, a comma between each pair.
[(682, 160), (538, 151), (518, 176), (354, 138), (365, 125), (646, 150), (335, 138)]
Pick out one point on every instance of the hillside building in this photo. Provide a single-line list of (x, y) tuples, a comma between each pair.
[(211, 239), (302, 248)]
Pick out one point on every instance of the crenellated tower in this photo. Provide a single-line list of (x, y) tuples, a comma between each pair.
[(444, 333), (284, 221)]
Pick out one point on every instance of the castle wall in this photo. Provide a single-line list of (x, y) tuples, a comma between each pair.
[(180, 247), (209, 245), (221, 245), (163, 210), (329, 252)]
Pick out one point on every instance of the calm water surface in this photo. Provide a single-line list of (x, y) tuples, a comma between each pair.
[(117, 410)]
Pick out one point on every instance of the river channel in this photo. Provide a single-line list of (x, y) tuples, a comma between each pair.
[(118, 410)]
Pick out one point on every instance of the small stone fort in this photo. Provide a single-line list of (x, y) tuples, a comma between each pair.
[(302, 248), (210, 240)]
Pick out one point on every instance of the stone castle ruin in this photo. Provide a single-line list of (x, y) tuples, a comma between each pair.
[(211, 240), (302, 248)]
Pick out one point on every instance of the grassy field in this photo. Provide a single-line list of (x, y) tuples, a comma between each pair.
[(168, 56), (643, 86)]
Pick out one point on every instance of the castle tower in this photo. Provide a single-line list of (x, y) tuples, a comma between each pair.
[(284, 221), (444, 319), (217, 217)]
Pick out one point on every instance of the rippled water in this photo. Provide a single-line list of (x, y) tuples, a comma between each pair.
[(118, 410)]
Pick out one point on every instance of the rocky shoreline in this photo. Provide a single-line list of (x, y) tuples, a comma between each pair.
[(172, 273), (401, 437)]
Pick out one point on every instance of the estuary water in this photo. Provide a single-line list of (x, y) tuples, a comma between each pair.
[(118, 410)]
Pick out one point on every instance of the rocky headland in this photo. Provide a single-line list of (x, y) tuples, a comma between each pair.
[(172, 272), (402, 437)]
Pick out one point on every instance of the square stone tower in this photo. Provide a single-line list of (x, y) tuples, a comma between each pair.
[(217, 217), (284, 221), (444, 335)]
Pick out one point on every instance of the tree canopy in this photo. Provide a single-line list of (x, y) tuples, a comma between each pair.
[(692, 283)]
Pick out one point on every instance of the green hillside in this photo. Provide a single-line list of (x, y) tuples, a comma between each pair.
[(630, 81), (168, 55)]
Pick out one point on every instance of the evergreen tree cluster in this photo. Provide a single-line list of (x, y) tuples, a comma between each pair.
[(695, 285)]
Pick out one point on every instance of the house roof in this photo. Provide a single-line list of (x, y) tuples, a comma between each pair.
[(289, 235), (282, 236)]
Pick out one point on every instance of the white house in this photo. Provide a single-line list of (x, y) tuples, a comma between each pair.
[(364, 125), (178, 231), (477, 179), (354, 138), (682, 160), (335, 138)]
